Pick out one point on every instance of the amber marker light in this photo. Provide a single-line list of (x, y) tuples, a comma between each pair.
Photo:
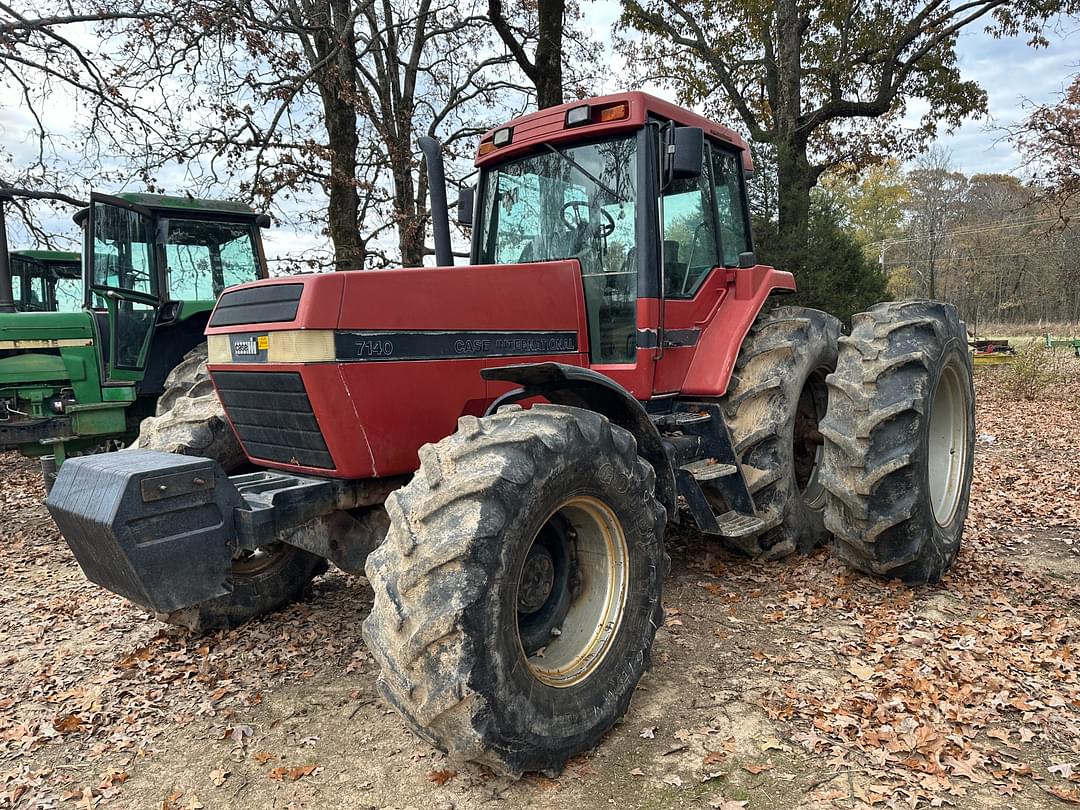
[(616, 112)]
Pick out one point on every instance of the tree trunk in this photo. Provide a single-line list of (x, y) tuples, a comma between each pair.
[(337, 89), (795, 176), (548, 69)]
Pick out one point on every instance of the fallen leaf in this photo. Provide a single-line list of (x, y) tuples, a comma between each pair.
[(648, 733), (263, 757), (292, 774), (1064, 770), (756, 769), (1069, 795), (218, 776), (861, 670), (440, 778), (713, 758), (673, 779)]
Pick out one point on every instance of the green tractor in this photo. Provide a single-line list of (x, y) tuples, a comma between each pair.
[(45, 280), (152, 268)]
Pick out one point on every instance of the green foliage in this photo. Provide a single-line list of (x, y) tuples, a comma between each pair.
[(873, 201), (835, 274)]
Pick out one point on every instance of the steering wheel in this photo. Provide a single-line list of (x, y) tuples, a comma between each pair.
[(605, 230)]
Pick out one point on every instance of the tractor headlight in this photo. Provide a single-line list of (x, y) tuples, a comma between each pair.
[(289, 346)]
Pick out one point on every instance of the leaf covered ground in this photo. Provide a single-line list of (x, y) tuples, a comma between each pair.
[(774, 685)]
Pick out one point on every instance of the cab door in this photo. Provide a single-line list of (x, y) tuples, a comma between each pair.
[(692, 277), (123, 269)]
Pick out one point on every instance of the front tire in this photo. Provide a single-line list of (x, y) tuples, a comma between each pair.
[(899, 441), (518, 591)]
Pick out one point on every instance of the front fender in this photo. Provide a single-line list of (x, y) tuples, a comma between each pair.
[(578, 387)]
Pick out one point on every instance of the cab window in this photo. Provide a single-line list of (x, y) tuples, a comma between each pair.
[(577, 202), (203, 258), (689, 234), (727, 178), (123, 249)]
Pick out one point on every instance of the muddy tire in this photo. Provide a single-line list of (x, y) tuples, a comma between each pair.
[(776, 399), (518, 591), (899, 441), (194, 424), (190, 420)]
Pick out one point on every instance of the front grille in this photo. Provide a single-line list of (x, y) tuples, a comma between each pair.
[(273, 417), (269, 303)]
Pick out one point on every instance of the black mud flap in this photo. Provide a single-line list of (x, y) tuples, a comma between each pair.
[(156, 528)]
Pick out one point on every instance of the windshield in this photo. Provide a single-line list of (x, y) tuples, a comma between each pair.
[(204, 257), (576, 202)]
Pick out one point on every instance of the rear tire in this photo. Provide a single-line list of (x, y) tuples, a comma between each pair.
[(191, 422), (776, 399), (474, 549), (190, 419), (899, 441)]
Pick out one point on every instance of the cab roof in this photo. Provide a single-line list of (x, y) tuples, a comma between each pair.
[(49, 255), (549, 125), (162, 201)]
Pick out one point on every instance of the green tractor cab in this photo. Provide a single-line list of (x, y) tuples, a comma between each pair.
[(152, 269), (46, 280)]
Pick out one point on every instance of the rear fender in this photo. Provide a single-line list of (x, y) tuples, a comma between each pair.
[(718, 347), (577, 387)]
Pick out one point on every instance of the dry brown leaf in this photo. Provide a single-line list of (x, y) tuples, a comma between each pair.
[(292, 774), (713, 758), (1069, 795), (218, 776), (263, 757), (440, 778), (757, 768)]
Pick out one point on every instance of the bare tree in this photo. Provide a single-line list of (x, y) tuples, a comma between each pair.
[(313, 97)]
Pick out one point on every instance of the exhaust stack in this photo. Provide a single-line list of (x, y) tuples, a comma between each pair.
[(440, 215)]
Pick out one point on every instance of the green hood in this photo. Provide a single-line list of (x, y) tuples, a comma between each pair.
[(44, 326)]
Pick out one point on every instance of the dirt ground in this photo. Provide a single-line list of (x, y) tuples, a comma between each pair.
[(780, 685)]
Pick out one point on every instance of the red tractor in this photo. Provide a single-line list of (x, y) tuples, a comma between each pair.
[(531, 423)]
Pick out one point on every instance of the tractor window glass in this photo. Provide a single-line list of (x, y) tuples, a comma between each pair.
[(727, 176), (67, 291), (577, 203), (689, 235), (18, 288), (204, 257), (123, 249)]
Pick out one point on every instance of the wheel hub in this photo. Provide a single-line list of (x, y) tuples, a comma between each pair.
[(578, 572), (537, 579)]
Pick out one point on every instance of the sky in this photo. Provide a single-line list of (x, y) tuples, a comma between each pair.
[(1011, 73)]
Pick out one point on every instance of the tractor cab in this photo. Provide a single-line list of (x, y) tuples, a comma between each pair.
[(88, 351), (45, 280), (155, 266), (650, 199)]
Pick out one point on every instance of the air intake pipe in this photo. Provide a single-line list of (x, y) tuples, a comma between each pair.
[(440, 215), (7, 298)]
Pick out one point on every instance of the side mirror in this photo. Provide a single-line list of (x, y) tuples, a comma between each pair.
[(747, 260), (685, 153), (465, 202), (263, 220)]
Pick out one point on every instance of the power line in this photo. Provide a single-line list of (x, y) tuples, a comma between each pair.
[(974, 229)]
